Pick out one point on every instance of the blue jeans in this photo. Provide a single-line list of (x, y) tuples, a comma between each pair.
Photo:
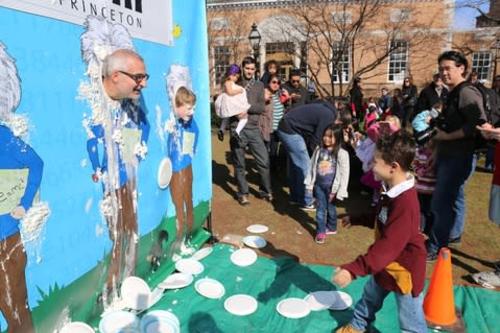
[(326, 212), (448, 201), (410, 310), (459, 206), (298, 168)]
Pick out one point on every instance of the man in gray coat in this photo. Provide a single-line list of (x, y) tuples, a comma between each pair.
[(251, 137)]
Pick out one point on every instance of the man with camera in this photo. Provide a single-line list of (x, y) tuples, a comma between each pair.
[(455, 135), (295, 92)]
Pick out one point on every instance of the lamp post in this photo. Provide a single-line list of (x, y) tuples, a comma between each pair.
[(254, 38)]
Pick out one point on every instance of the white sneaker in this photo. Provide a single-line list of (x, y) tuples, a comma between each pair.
[(490, 280)]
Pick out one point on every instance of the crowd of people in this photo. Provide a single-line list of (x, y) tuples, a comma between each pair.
[(416, 151)]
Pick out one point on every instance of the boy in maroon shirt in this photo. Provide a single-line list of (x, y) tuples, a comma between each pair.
[(396, 260)]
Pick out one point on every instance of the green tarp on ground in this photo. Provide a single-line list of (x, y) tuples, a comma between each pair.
[(272, 280)]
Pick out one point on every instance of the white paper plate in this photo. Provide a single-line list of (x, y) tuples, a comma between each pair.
[(293, 308), (256, 242), (241, 305), (77, 327), (343, 301), (257, 228), (176, 281), (164, 173), (160, 321), (189, 266), (135, 293), (118, 322), (210, 288), (202, 253), (244, 257), (321, 300)]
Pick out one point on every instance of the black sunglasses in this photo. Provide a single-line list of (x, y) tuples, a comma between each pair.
[(275, 82), (295, 81), (138, 78)]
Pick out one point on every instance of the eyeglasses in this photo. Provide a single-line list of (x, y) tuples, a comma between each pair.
[(295, 81), (275, 82), (138, 78)]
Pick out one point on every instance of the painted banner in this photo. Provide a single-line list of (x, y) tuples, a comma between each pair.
[(148, 20), (105, 154)]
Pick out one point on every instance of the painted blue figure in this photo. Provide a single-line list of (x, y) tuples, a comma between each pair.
[(20, 176), (123, 132), (182, 142)]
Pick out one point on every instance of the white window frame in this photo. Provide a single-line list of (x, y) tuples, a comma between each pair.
[(345, 65), (219, 23), (398, 59), (342, 17), (399, 15), (482, 63), (220, 67)]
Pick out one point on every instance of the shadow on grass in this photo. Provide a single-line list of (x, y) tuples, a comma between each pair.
[(290, 272)]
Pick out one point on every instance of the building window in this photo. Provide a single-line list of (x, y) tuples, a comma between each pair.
[(481, 64), (341, 57), (219, 23), (342, 17), (398, 60), (286, 47), (400, 15), (222, 57)]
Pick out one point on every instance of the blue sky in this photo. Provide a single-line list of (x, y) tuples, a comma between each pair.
[(465, 18)]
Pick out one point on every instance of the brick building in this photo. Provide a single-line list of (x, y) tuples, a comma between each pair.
[(332, 41)]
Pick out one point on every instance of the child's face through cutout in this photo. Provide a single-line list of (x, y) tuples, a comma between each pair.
[(184, 112)]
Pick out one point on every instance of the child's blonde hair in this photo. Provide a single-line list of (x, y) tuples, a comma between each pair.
[(184, 96), (394, 121)]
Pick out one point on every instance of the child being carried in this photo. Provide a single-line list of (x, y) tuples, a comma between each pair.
[(232, 102)]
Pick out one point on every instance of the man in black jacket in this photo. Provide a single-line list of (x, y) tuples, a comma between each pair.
[(301, 130), (297, 94), (432, 94), (250, 136)]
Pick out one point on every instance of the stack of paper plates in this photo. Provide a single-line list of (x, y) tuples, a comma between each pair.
[(118, 322), (160, 321)]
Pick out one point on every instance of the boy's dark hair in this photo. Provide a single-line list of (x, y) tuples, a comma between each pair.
[(294, 72), (338, 134), (455, 56), (248, 60), (397, 147), (345, 117)]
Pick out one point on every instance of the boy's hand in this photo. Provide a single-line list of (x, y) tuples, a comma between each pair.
[(332, 197), (242, 115), (345, 221), (342, 277)]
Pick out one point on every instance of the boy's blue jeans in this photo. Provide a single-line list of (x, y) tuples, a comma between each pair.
[(326, 212), (410, 310)]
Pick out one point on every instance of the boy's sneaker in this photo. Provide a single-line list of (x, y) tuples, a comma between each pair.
[(489, 280), (220, 135), (455, 241), (320, 238), (243, 200), (309, 208), (331, 232), (348, 329)]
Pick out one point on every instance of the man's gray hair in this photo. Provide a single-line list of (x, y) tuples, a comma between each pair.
[(118, 60), (10, 85)]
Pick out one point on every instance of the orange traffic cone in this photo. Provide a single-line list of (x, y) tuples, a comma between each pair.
[(439, 306)]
